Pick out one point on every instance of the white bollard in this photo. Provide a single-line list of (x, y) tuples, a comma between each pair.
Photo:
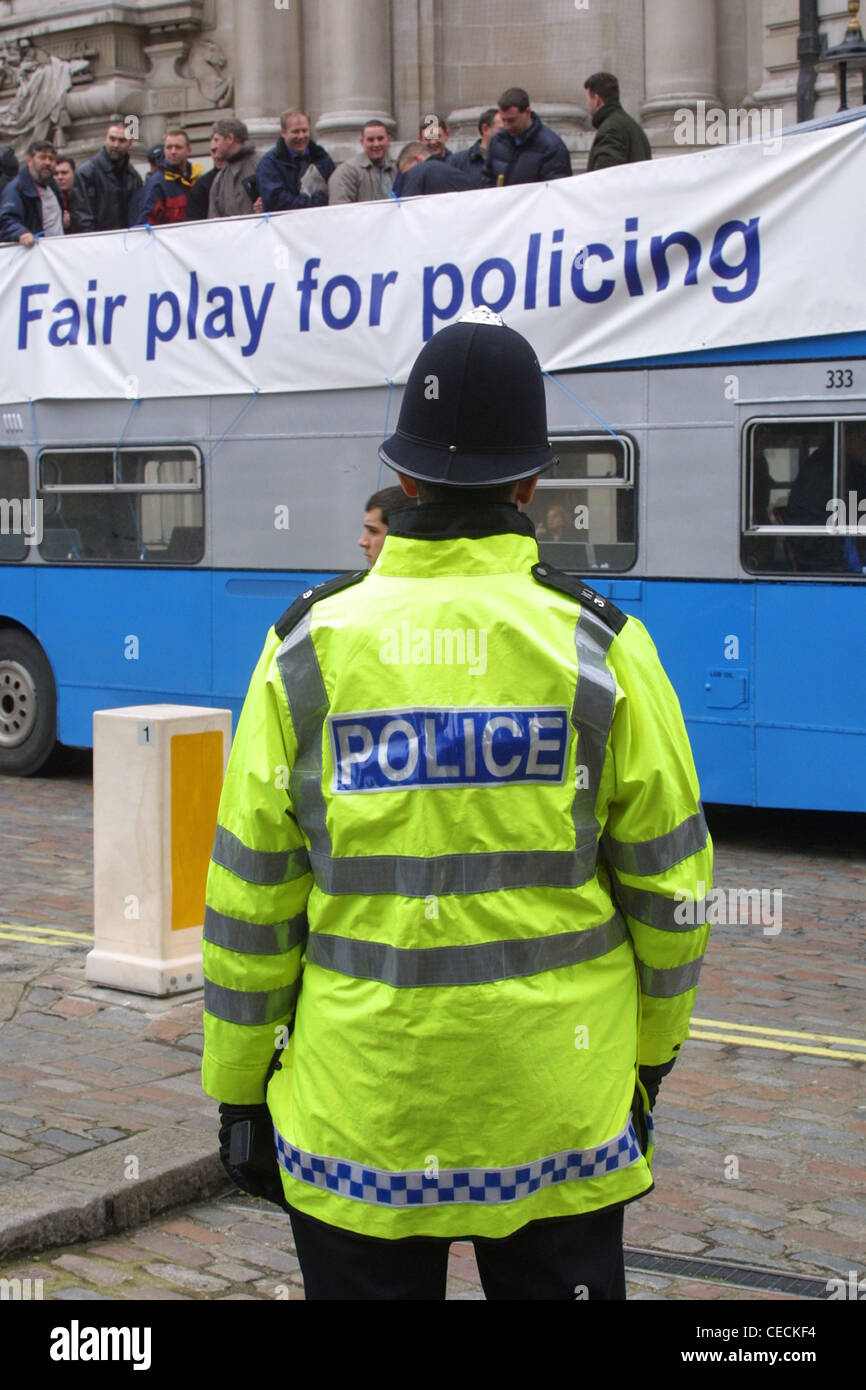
[(157, 775)]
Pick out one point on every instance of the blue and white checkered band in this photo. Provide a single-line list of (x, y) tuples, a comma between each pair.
[(453, 1186), (401, 749)]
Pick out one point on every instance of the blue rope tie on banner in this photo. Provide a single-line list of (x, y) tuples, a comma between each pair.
[(385, 432), (581, 403), (33, 423), (19, 249), (388, 407), (37, 447), (135, 403), (140, 227), (231, 426), (265, 217)]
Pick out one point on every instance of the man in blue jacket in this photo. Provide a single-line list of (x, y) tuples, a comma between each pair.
[(32, 203), (281, 172), (525, 151), (473, 160)]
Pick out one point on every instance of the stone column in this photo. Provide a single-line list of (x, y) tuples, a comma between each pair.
[(267, 65), (356, 71), (681, 59)]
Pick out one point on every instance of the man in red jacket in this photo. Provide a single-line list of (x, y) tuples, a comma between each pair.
[(166, 191)]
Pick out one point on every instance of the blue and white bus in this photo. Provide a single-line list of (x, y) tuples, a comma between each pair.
[(700, 492)]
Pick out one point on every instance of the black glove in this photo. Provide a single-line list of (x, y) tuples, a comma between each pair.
[(651, 1079), (247, 1151)]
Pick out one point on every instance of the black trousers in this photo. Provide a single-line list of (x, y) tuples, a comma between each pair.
[(573, 1257)]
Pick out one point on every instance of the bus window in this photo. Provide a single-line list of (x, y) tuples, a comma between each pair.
[(852, 470), (17, 517), (584, 507), (134, 505), (796, 488)]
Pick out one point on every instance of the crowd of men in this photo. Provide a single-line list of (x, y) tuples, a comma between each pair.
[(49, 195)]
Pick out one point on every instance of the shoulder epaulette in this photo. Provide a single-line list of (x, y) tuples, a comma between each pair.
[(295, 612), (575, 588)]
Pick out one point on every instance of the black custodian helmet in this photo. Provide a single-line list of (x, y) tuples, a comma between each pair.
[(473, 412)]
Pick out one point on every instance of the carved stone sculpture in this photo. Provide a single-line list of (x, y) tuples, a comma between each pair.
[(37, 109), (207, 66)]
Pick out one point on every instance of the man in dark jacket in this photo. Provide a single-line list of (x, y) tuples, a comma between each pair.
[(32, 202), (424, 172), (525, 151), (619, 139), (198, 198), (106, 185), (163, 198), (472, 161), (284, 174), (9, 166)]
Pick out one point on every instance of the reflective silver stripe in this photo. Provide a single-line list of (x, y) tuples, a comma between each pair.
[(253, 938), (417, 1187), (248, 1006), (408, 877), (264, 867), (592, 715), (407, 968), (661, 853), (664, 984), (656, 911), (298, 666)]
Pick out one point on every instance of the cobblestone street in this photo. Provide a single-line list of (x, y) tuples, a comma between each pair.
[(760, 1128)]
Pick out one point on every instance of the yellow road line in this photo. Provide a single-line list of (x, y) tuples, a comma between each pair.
[(15, 931), (776, 1032), (778, 1046), (55, 931)]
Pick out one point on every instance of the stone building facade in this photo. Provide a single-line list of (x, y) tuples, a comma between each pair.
[(64, 66)]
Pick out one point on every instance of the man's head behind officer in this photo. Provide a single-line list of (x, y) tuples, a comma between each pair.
[(376, 520)]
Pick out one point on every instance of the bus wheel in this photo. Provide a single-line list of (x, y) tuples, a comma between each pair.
[(28, 704)]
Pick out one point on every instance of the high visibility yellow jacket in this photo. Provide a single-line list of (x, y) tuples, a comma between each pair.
[(458, 827)]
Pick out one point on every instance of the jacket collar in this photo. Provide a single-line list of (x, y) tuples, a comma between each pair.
[(527, 136), (604, 111), (183, 175), (366, 162), (30, 189), (109, 165), (26, 183), (469, 541), (287, 156), (442, 521)]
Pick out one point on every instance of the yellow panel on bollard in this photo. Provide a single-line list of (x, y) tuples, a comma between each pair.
[(196, 782), (157, 777)]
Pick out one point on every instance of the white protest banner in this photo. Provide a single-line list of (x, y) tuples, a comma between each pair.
[(701, 251)]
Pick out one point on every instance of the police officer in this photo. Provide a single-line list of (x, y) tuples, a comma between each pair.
[(447, 962)]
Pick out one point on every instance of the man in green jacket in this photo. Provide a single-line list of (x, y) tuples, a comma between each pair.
[(619, 139), (445, 969)]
